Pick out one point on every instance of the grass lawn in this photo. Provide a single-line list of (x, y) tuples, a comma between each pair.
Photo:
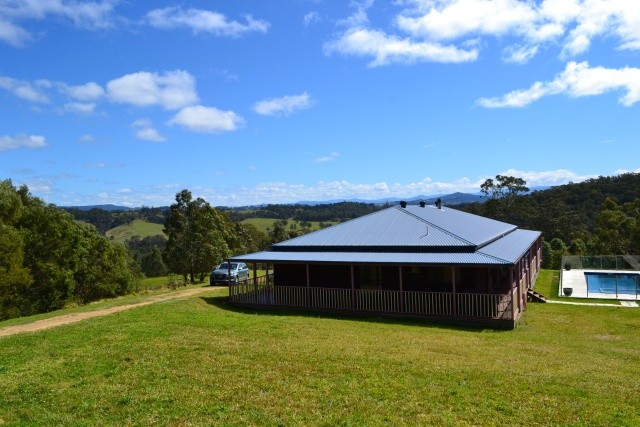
[(138, 227), (198, 361)]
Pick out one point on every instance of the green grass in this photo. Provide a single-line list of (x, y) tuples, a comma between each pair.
[(200, 362), (138, 227), (262, 224), (547, 283)]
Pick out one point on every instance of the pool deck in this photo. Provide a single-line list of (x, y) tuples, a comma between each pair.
[(575, 279)]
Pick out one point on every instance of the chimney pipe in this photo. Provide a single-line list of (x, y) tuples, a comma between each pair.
[(423, 204), (403, 204), (439, 203)]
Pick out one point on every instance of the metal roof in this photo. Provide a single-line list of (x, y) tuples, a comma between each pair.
[(412, 226), (512, 246), (476, 258), (411, 235)]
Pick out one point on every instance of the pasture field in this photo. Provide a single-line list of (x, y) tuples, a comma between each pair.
[(137, 227), (262, 224), (198, 361)]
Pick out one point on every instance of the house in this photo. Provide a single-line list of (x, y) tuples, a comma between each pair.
[(430, 262)]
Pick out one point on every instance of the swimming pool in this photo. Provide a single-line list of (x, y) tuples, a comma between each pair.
[(613, 283)]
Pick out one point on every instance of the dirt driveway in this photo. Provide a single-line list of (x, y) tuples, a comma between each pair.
[(66, 319)]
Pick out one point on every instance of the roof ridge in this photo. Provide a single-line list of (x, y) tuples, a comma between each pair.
[(494, 257), (437, 227), (331, 226)]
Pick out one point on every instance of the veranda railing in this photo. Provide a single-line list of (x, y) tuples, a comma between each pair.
[(260, 292)]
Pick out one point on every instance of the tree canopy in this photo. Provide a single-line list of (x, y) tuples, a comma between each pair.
[(197, 237), (47, 259)]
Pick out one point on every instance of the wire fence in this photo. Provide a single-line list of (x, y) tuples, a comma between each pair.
[(602, 262), (605, 276)]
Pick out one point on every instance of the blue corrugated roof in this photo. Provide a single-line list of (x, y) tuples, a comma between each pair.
[(512, 246), (411, 235), (388, 227), (410, 226), (373, 258)]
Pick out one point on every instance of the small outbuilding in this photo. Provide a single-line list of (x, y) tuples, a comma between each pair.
[(422, 261)]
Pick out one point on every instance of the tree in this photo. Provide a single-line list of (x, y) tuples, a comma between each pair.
[(196, 237), (103, 269), (47, 259), (547, 255), (506, 187), (614, 229), (279, 231), (14, 278), (502, 196), (147, 252), (558, 250)]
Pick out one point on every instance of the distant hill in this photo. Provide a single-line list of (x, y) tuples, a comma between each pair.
[(450, 199), (108, 208)]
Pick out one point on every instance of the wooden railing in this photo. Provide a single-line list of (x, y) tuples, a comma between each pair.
[(488, 306)]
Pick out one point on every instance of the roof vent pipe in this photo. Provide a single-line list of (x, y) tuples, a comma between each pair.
[(403, 204), (423, 204), (439, 203)]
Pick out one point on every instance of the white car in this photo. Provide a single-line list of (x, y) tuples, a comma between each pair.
[(239, 272)]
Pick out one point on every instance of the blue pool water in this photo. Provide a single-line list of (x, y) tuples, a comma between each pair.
[(613, 283)]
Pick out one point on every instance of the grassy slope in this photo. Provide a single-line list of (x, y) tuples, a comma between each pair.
[(137, 228), (199, 362), (263, 224)]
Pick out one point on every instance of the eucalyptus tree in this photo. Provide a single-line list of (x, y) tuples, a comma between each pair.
[(197, 237)]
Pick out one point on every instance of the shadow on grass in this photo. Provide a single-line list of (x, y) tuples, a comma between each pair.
[(222, 302)]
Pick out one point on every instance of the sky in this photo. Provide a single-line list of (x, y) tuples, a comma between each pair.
[(252, 102)]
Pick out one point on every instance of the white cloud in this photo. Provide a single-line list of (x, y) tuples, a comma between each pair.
[(446, 20), (99, 165), (144, 130), (332, 156), (86, 138), (199, 20), (207, 119), (438, 30), (80, 107), (24, 90), (387, 49), (547, 178), (171, 90), (519, 54), (28, 141), (93, 15), (624, 171), (311, 18), (282, 192), (577, 80), (12, 34), (285, 105), (87, 92)]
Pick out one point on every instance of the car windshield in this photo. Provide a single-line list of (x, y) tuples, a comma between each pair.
[(225, 266)]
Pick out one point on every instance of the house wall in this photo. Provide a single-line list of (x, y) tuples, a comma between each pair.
[(289, 274), (418, 278)]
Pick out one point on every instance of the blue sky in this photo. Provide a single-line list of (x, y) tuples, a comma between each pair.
[(248, 102)]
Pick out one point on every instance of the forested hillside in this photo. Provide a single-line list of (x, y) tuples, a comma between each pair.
[(330, 212), (47, 259), (104, 220), (600, 216)]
